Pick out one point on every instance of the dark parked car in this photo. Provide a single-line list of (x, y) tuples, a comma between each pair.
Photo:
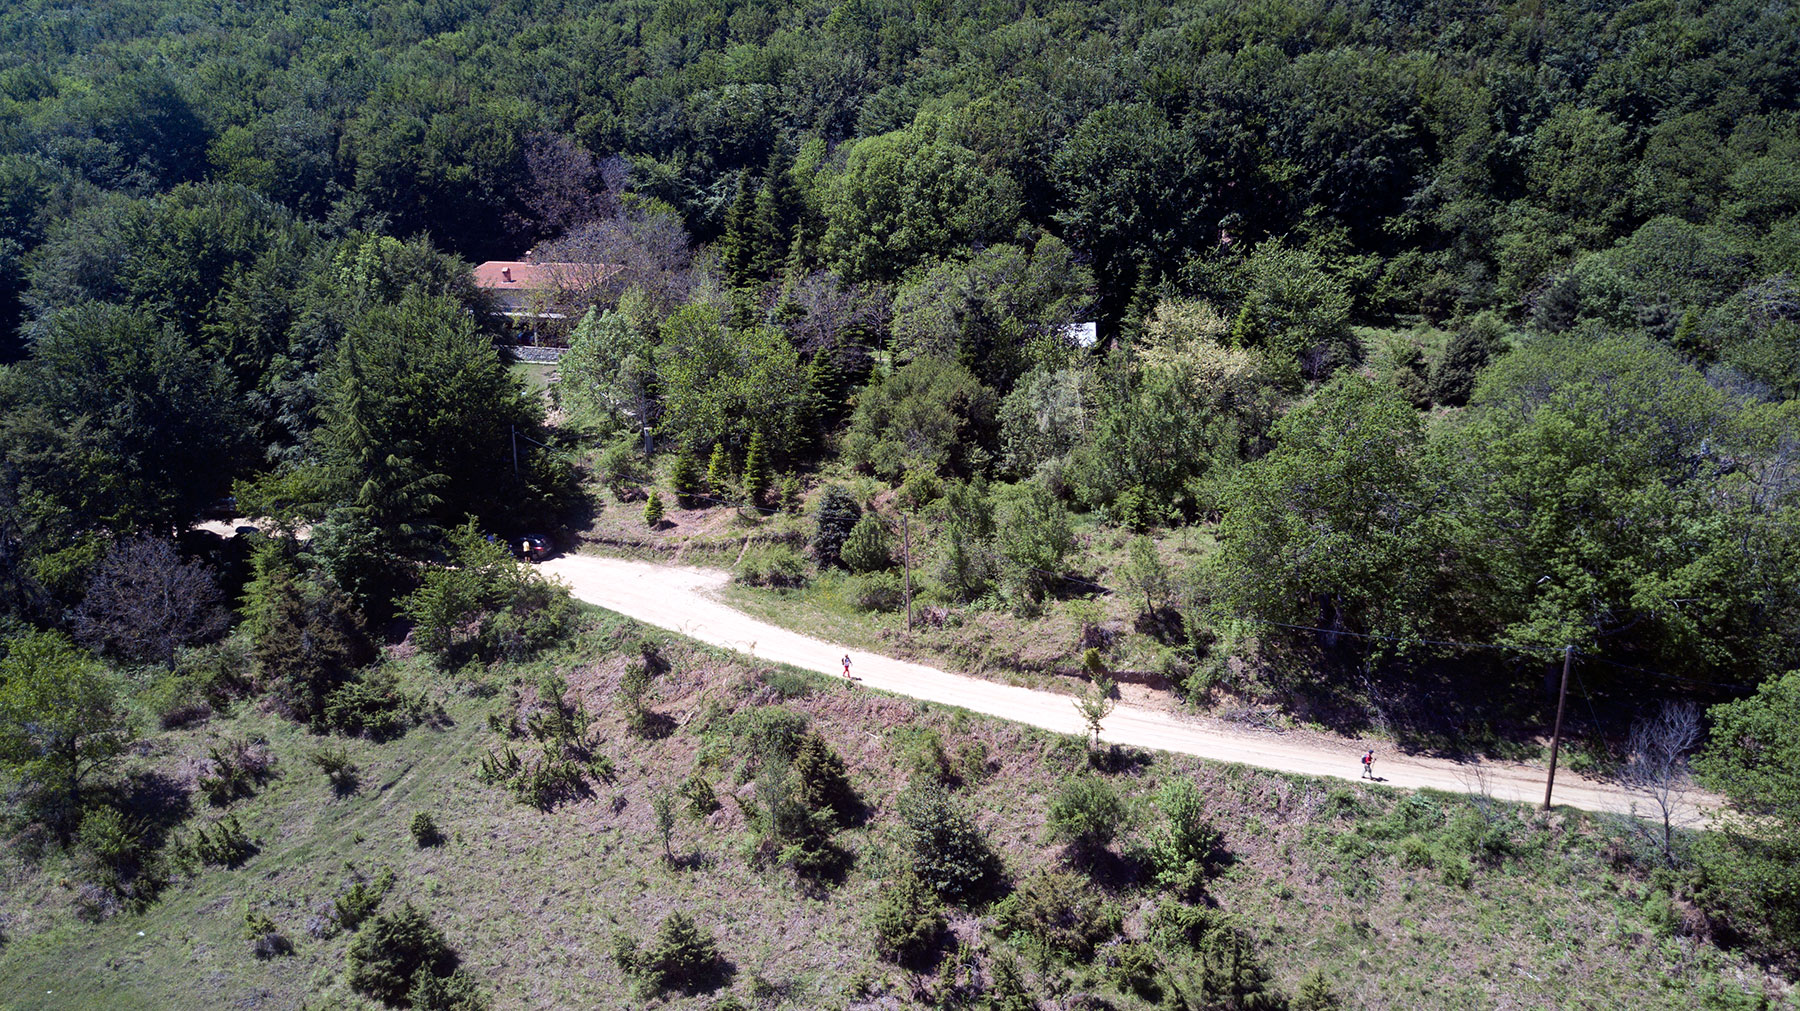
[(531, 547)]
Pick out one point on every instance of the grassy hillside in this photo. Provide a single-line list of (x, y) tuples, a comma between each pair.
[(1399, 902)]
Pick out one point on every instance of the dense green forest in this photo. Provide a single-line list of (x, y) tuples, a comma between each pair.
[(1454, 323)]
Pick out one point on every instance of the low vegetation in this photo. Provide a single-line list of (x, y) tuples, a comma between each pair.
[(913, 855)]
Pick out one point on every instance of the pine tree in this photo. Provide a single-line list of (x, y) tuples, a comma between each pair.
[(1244, 333), (685, 477), (1143, 300), (777, 209), (756, 469), (1479, 342), (653, 510), (737, 249), (718, 471), (823, 400)]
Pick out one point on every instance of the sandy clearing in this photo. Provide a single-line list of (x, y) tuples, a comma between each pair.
[(684, 599)]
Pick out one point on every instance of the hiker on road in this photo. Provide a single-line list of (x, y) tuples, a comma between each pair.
[(1368, 763)]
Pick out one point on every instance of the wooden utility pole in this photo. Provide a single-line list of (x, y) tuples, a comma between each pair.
[(1556, 734), (515, 449), (906, 541)]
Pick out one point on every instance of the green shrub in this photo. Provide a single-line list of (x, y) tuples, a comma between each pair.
[(1415, 852), (499, 766), (876, 591), (835, 515), (1061, 913), (204, 680), (771, 734), (1341, 803), (947, 850), (548, 781), (371, 705), (389, 950), (1184, 846), (225, 844), (697, 792), (1087, 813), (621, 468), (795, 834), (653, 510), (1457, 871), (972, 761), (792, 493), (455, 992), (682, 957), (1315, 994), (339, 770), (920, 489), (922, 754), (776, 565), (907, 922), (265, 938), (869, 548), (1135, 966), (235, 769), (360, 898), (424, 830), (820, 781), (110, 840)]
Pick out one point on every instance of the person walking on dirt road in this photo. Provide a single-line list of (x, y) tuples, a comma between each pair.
[(1368, 763), (846, 666)]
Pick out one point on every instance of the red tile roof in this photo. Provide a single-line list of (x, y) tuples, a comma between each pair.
[(518, 275)]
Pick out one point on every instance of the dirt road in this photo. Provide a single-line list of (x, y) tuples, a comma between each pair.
[(685, 600)]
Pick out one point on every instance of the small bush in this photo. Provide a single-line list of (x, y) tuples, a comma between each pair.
[(653, 510), (1086, 813), (360, 898), (265, 938), (836, 515), (1415, 852), (621, 468), (424, 830), (949, 853), (1457, 871), (820, 781), (1061, 913), (1183, 847), (869, 548), (1315, 994), (682, 957), (907, 922), (235, 769), (388, 952), (920, 489), (371, 706), (791, 492), (225, 844), (110, 840), (972, 761), (455, 992), (339, 770), (922, 755), (775, 565), (549, 781), (697, 792), (771, 734), (876, 591)]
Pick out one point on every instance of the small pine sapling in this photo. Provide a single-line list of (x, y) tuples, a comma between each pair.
[(1095, 705)]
